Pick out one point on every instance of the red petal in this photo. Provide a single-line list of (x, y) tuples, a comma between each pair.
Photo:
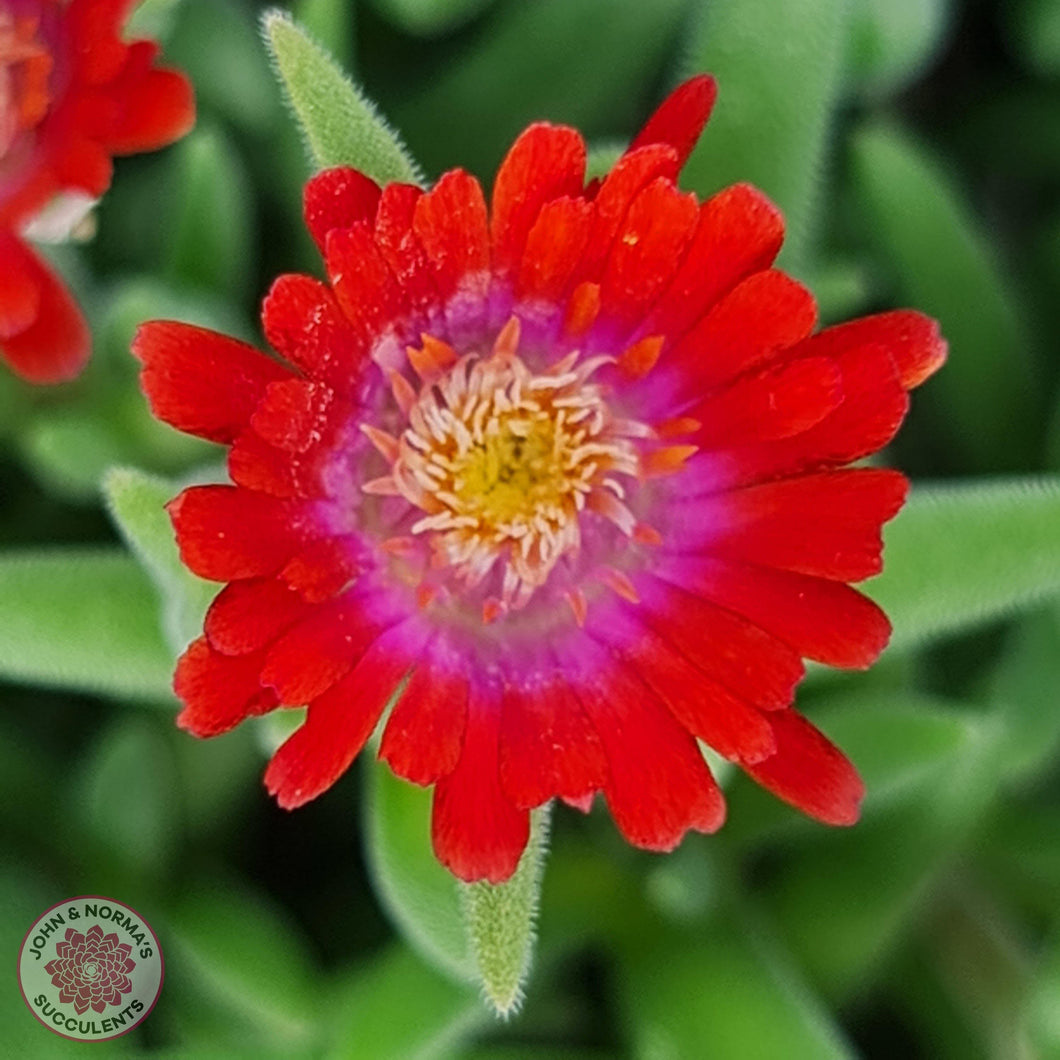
[(337, 726), (476, 832), (632, 173), (777, 402), (823, 620), (707, 710), (255, 464), (748, 661), (912, 339), (647, 250), (658, 785), (19, 290), (826, 525), (246, 616), (766, 313), (451, 223), (401, 247), (546, 162), (554, 248), (199, 381), (363, 283), (810, 772), (43, 336), (314, 654), (303, 322), (548, 746), (337, 198), (156, 109), (425, 732), (323, 568), (226, 533), (739, 233), (95, 26), (293, 414), (218, 691), (680, 119)]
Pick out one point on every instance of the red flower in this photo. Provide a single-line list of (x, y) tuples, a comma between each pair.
[(567, 471), (72, 94)]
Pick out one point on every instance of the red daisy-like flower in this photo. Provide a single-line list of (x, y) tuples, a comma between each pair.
[(72, 95), (567, 471)]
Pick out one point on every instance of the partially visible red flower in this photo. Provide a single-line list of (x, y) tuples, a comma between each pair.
[(72, 95), (568, 471)]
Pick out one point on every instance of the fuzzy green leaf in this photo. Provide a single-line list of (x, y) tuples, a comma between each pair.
[(943, 264), (333, 23), (894, 41), (779, 69), (961, 556), (85, 619), (137, 504), (727, 996), (212, 244), (419, 894), (373, 1011), (428, 17), (340, 124), (501, 919)]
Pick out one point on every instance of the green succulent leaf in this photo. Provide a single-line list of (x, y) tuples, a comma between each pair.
[(429, 17), (84, 619), (780, 71), (963, 555), (419, 894), (137, 503), (373, 1007), (340, 124), (983, 400)]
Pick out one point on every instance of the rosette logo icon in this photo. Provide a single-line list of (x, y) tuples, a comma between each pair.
[(92, 970), (90, 982)]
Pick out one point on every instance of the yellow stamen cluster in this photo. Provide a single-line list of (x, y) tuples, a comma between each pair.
[(503, 462)]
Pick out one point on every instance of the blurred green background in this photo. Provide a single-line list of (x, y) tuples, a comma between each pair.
[(914, 146)]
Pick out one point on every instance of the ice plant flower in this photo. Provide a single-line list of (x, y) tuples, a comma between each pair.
[(72, 95), (566, 473)]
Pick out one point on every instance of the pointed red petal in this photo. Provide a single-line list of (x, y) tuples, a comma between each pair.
[(157, 108), (658, 785), (43, 336), (706, 709), (810, 772), (248, 615), (304, 323), (546, 162), (554, 247), (680, 118), (403, 251), (226, 533), (749, 662), (337, 726), (425, 731), (776, 402), (293, 414), (218, 691), (646, 253), (199, 381), (337, 198), (823, 620), (548, 746), (476, 832), (363, 283), (826, 525)]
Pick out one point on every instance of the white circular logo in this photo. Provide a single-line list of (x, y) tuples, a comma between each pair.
[(90, 968)]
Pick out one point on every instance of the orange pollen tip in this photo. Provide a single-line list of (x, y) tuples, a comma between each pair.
[(644, 534), (615, 580), (666, 461), (431, 359), (578, 605), (639, 359), (582, 310), (677, 427)]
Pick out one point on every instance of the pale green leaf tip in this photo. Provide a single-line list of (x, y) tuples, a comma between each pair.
[(363, 138), (501, 921)]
